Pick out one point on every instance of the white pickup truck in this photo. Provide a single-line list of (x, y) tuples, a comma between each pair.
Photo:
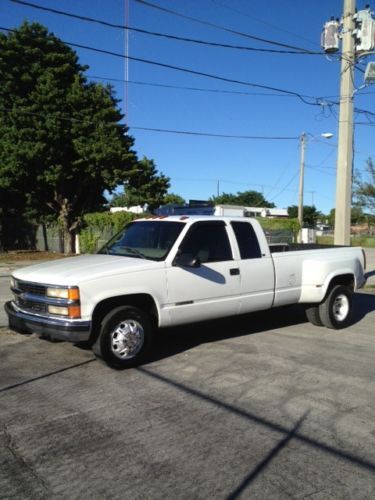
[(166, 271)]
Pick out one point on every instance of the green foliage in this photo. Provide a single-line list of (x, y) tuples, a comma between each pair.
[(245, 198), (310, 214), (145, 186), (100, 226), (358, 216), (364, 191), (363, 241), (331, 217), (88, 241), (102, 220), (279, 230), (355, 241), (173, 199), (61, 144), (282, 224)]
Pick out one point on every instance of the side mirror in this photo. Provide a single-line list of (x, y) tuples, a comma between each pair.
[(186, 260)]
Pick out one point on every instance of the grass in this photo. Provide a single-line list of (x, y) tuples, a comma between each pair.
[(356, 241)]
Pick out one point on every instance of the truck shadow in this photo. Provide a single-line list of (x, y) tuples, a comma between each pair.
[(363, 304), (172, 341)]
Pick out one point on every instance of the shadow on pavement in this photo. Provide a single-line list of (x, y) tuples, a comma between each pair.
[(363, 304), (288, 434), (171, 341)]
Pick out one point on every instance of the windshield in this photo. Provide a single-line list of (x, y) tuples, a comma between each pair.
[(144, 240)]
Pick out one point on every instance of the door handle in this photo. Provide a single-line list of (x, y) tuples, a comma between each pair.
[(234, 272)]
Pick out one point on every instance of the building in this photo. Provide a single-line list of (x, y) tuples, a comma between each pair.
[(204, 208)]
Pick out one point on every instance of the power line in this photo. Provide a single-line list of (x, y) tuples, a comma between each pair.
[(302, 97), (207, 134), (286, 186), (223, 28), (273, 26), (180, 87), (162, 35), (187, 70), (169, 131), (226, 181), (219, 91)]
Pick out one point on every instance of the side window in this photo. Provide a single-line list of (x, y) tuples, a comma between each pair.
[(247, 240), (209, 242)]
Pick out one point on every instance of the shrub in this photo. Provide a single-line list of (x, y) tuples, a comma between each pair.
[(99, 227)]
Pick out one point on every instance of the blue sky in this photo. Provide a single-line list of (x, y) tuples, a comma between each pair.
[(199, 166)]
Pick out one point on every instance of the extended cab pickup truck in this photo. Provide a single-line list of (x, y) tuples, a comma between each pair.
[(166, 271)]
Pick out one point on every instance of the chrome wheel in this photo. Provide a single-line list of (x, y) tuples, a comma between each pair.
[(127, 339), (340, 307)]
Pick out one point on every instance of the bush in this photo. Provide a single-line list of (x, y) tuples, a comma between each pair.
[(279, 228), (279, 224), (99, 227)]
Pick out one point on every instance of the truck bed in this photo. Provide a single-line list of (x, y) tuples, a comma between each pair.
[(293, 247)]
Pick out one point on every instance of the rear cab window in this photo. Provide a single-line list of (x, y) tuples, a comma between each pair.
[(247, 240)]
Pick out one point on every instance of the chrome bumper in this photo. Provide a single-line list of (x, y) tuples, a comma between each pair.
[(72, 331)]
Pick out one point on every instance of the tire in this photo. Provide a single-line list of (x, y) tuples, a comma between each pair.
[(313, 315), (126, 337), (336, 309)]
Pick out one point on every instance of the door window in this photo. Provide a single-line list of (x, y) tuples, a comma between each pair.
[(208, 241)]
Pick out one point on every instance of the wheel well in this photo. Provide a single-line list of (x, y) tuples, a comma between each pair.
[(343, 279), (141, 301)]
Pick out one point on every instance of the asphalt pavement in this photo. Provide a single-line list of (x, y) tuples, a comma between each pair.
[(263, 406)]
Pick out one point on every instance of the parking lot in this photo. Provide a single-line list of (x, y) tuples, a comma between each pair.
[(262, 406)]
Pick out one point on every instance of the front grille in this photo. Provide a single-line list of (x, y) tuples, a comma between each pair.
[(28, 305), (25, 287), (30, 296)]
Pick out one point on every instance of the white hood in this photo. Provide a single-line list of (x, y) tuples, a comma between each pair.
[(75, 270)]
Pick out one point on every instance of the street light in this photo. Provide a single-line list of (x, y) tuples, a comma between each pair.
[(303, 141)]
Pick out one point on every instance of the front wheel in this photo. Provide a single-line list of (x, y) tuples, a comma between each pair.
[(126, 337), (336, 310)]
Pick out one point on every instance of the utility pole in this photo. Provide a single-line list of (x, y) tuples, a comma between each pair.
[(345, 136), (301, 182)]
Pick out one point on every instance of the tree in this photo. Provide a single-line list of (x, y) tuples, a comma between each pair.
[(173, 199), (61, 143), (364, 191), (145, 186), (245, 198), (310, 214), (331, 217), (357, 216)]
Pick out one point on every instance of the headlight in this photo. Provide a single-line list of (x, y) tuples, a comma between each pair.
[(63, 293), (13, 283)]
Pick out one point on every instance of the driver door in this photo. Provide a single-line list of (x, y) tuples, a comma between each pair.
[(210, 290)]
